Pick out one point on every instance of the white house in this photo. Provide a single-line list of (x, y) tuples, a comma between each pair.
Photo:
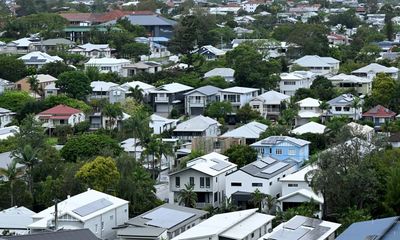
[(197, 100), (296, 190), (250, 6), (309, 108), (92, 50), (250, 132), (239, 225), (106, 65), (38, 59), (300, 227), (163, 222), (291, 82), (263, 174), (141, 67), (238, 96), (15, 220), (132, 147), (160, 124), (226, 73), (7, 132), (96, 211), (310, 127), (207, 176), (372, 69), (6, 116), (343, 106), (144, 87), (269, 103), (51, 90), (362, 85), (60, 115), (101, 89), (319, 65), (199, 126)]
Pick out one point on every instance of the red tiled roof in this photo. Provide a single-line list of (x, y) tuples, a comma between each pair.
[(101, 17), (379, 111), (60, 110)]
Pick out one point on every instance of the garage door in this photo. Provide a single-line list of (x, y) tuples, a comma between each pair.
[(196, 110), (162, 108)]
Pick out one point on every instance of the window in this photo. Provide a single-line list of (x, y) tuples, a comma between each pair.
[(208, 184), (102, 226), (270, 183), (236, 184), (252, 235), (381, 120), (216, 179), (95, 228), (292, 151), (191, 181), (338, 109), (106, 68), (177, 182), (257, 184), (201, 182), (256, 106), (215, 197), (278, 151), (289, 83), (346, 109), (293, 185)]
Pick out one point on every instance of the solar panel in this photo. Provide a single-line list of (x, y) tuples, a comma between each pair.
[(220, 165), (283, 234), (312, 222), (260, 164), (92, 207), (316, 233), (166, 218), (275, 167), (295, 222)]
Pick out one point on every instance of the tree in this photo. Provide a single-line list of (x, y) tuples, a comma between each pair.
[(392, 197), (324, 106), (270, 201), (275, 130), (383, 90), (89, 145), (62, 132), (246, 114), (352, 215), (63, 99), (348, 19), (356, 104), (136, 93), (323, 89), (11, 173), (31, 133), (34, 84), (218, 109), (113, 111), (100, 174), (134, 50), (11, 68), (28, 156), (257, 199), (55, 68), (187, 196), (241, 154), (14, 100), (74, 84), (216, 81)]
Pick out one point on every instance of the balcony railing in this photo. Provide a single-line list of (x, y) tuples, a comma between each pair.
[(162, 99)]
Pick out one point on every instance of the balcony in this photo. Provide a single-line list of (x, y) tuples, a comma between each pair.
[(196, 103), (162, 99)]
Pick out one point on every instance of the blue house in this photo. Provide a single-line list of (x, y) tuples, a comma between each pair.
[(283, 148), (385, 229)]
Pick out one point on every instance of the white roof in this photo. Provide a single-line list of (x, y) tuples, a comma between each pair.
[(316, 61), (15, 218), (207, 164), (40, 57), (308, 114), (310, 127), (239, 90), (106, 60), (173, 88), (73, 203), (272, 97), (51, 86), (376, 68), (90, 47), (250, 130), (214, 50), (158, 118), (297, 75), (349, 78), (196, 124), (101, 86), (309, 102), (141, 85), (43, 78), (299, 176), (275, 140), (223, 72), (306, 193), (223, 223), (23, 42), (129, 145)]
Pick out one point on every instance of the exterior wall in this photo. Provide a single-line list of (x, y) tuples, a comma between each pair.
[(362, 88), (117, 95), (211, 131), (290, 86), (238, 103), (300, 153), (340, 111), (300, 185), (105, 68)]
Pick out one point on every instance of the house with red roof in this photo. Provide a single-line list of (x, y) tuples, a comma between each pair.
[(379, 115), (60, 115)]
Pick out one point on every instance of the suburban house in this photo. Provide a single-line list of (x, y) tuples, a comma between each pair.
[(7, 132), (117, 94), (238, 96), (384, 228), (96, 211), (362, 85), (163, 222), (60, 235), (89, 19), (296, 190), (6, 117), (15, 220), (207, 175), (300, 227), (160, 124), (144, 88), (132, 147), (318, 65), (38, 59), (291, 82), (98, 120), (250, 132), (343, 106), (92, 50), (51, 90), (209, 52), (60, 115), (5, 85), (53, 44), (379, 115), (101, 89), (106, 65), (245, 224), (310, 127), (157, 46), (43, 80), (269, 104), (169, 96), (372, 69), (263, 174), (309, 108), (283, 148), (199, 126), (141, 67), (227, 73), (20, 46), (198, 99)]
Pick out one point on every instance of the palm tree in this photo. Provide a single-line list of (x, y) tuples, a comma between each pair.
[(112, 111), (139, 125), (324, 106), (12, 173), (356, 105), (151, 150), (257, 199), (270, 201), (163, 149), (34, 84), (187, 196), (28, 157), (136, 93)]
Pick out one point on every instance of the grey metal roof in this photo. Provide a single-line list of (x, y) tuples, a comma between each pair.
[(274, 140), (267, 167), (80, 234), (147, 231), (92, 207), (207, 90), (55, 41), (147, 20), (342, 100), (385, 229)]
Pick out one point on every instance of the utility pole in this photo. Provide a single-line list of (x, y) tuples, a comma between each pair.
[(55, 214)]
